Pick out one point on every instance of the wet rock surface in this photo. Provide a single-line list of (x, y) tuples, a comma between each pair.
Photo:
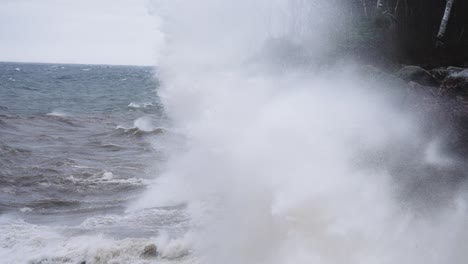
[(150, 251), (441, 73), (444, 106), (456, 84), (417, 74)]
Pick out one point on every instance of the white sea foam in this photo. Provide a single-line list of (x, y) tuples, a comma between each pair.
[(25, 243), (57, 113), (26, 210), (140, 105), (107, 178), (144, 124), (21, 242), (155, 218)]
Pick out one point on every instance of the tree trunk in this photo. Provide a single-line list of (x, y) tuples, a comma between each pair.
[(379, 4), (364, 5), (396, 8), (445, 20)]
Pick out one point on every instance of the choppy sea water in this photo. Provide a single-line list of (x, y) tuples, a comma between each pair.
[(78, 143)]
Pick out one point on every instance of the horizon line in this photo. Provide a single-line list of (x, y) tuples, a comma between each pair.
[(79, 63)]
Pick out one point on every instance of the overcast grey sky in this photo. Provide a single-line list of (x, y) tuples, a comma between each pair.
[(77, 31)]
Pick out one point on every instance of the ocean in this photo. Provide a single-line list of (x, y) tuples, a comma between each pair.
[(76, 147)]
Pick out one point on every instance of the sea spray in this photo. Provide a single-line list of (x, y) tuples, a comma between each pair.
[(287, 158)]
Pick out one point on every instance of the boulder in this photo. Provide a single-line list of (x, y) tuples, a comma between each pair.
[(417, 74), (456, 84), (443, 72), (150, 251)]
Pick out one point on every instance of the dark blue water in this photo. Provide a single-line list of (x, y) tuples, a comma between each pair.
[(38, 89), (74, 138), (78, 144)]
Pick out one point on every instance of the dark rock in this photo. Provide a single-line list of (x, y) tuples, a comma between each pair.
[(417, 74), (452, 69), (422, 90), (150, 251), (443, 72), (456, 84)]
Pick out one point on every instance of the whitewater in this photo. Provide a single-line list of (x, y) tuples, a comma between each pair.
[(273, 153)]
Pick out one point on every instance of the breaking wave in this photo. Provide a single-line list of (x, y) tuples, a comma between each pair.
[(292, 159)]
